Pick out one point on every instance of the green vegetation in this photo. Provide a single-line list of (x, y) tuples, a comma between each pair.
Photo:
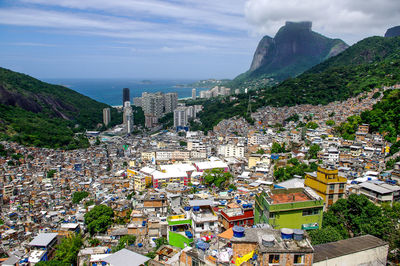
[(67, 251), (182, 143), (217, 177), (313, 151), (358, 216), (294, 167), (124, 242), (51, 173), (78, 196), (383, 118), (390, 163), (261, 151), (167, 120), (330, 123), (324, 235), (46, 115), (93, 242), (52, 263), (312, 125), (278, 148), (99, 219)]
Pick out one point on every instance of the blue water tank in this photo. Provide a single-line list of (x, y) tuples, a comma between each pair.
[(140, 245), (238, 201), (196, 208), (144, 223), (238, 231), (287, 233), (187, 208)]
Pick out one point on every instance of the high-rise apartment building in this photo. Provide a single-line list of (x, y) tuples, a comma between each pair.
[(153, 103), (180, 117), (194, 93), (125, 96), (106, 116), (170, 101), (128, 116)]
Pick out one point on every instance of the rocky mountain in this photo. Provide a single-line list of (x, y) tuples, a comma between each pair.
[(393, 32), (294, 49), (33, 112)]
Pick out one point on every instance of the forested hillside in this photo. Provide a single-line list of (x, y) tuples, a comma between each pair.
[(36, 113)]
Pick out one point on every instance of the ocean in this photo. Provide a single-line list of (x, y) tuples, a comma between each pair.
[(109, 91)]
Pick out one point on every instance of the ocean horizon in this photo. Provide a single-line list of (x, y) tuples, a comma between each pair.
[(109, 91)]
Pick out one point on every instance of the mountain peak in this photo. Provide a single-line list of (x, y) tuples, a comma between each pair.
[(301, 25), (393, 32), (294, 49)]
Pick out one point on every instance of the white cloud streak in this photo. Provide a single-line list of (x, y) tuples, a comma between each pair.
[(350, 20)]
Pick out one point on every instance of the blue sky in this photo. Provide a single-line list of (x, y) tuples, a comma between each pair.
[(188, 39)]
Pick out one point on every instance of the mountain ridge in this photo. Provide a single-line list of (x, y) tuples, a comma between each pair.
[(294, 49), (29, 108)]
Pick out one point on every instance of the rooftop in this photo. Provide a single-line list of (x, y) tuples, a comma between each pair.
[(125, 257), (289, 197), (43, 240), (344, 247)]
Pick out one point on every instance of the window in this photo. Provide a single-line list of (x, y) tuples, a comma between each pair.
[(195, 262), (331, 197), (340, 196), (272, 215), (274, 258), (341, 186), (298, 259), (331, 187), (310, 212), (211, 223)]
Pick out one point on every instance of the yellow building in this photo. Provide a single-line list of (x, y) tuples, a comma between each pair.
[(139, 180), (148, 155), (258, 158), (327, 183)]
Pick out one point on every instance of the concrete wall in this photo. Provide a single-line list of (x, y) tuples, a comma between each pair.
[(372, 257)]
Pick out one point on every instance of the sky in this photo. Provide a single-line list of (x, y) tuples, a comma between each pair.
[(160, 39)]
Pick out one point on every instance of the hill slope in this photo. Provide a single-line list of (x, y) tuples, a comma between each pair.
[(33, 112), (294, 49), (372, 62)]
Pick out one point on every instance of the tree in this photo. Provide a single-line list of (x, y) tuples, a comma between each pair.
[(67, 251), (330, 123), (277, 148), (51, 173), (312, 125), (160, 241), (324, 235), (313, 151), (218, 177), (78, 196), (123, 242), (99, 219), (183, 143), (260, 151)]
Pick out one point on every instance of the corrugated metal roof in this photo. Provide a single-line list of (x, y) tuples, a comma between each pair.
[(43, 239), (126, 257), (345, 247)]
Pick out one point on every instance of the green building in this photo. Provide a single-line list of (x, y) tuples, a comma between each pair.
[(296, 208), (180, 233)]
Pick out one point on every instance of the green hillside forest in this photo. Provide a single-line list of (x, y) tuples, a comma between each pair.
[(36, 113)]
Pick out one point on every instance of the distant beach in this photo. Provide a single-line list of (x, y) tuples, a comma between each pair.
[(109, 91)]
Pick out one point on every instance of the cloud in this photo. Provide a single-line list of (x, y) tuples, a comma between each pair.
[(350, 20), (225, 14)]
